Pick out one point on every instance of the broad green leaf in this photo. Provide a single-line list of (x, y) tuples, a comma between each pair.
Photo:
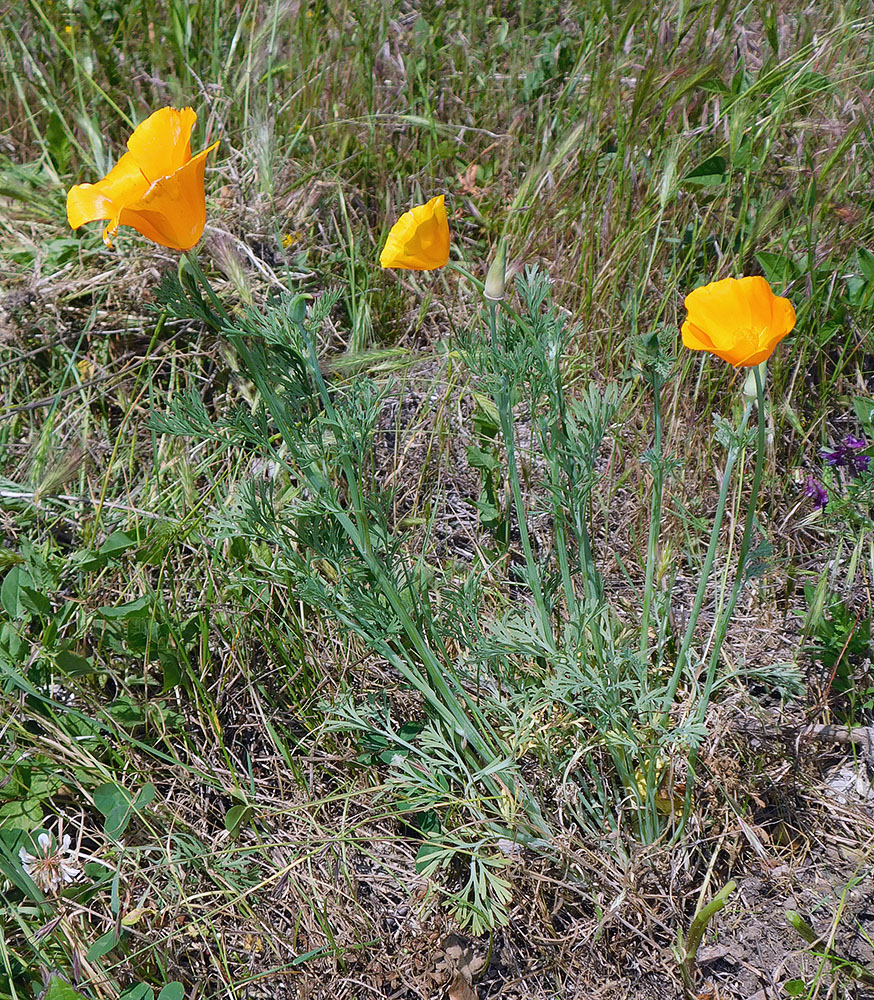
[(34, 601), (779, 268), (236, 817), (109, 796), (10, 591), (139, 608), (113, 546), (410, 730), (864, 409), (59, 990), (866, 262), (172, 671), (116, 543), (25, 814), (127, 712), (146, 795), (428, 858), (115, 803), (72, 664), (103, 945), (139, 991), (118, 807), (479, 459), (707, 174)]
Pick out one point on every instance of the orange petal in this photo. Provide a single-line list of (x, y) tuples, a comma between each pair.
[(761, 299), (695, 339), (751, 360), (419, 240), (738, 353), (721, 309), (106, 199), (173, 210), (783, 316), (772, 318), (160, 144)]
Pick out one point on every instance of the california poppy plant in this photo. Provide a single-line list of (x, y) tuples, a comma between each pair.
[(156, 187), (738, 319), (419, 240)]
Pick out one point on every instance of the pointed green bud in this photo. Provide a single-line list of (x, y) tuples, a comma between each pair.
[(750, 390), (496, 279)]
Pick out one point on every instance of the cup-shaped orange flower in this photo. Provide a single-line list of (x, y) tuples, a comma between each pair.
[(156, 187), (738, 319), (419, 240)]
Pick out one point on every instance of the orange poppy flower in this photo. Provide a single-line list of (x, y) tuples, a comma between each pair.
[(156, 187), (419, 240), (738, 319)]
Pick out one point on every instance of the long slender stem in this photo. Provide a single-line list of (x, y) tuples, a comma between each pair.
[(682, 655), (696, 930), (505, 411), (358, 531), (746, 544), (557, 435), (504, 403), (558, 514), (190, 257), (655, 516)]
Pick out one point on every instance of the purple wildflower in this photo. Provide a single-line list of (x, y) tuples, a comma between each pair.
[(845, 455), (817, 492), (859, 464)]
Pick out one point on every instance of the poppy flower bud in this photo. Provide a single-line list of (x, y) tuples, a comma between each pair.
[(750, 390), (496, 279)]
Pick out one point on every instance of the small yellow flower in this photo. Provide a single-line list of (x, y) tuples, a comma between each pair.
[(738, 319), (156, 187), (419, 240), (87, 368)]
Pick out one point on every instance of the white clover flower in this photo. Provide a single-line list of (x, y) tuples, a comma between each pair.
[(53, 864)]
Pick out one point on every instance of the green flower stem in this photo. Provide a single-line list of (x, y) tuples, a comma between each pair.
[(655, 517), (593, 587), (533, 571), (459, 268), (689, 948), (838, 961), (746, 544), (479, 285), (505, 412), (682, 655), (558, 434), (435, 689), (558, 514), (359, 531), (189, 257)]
